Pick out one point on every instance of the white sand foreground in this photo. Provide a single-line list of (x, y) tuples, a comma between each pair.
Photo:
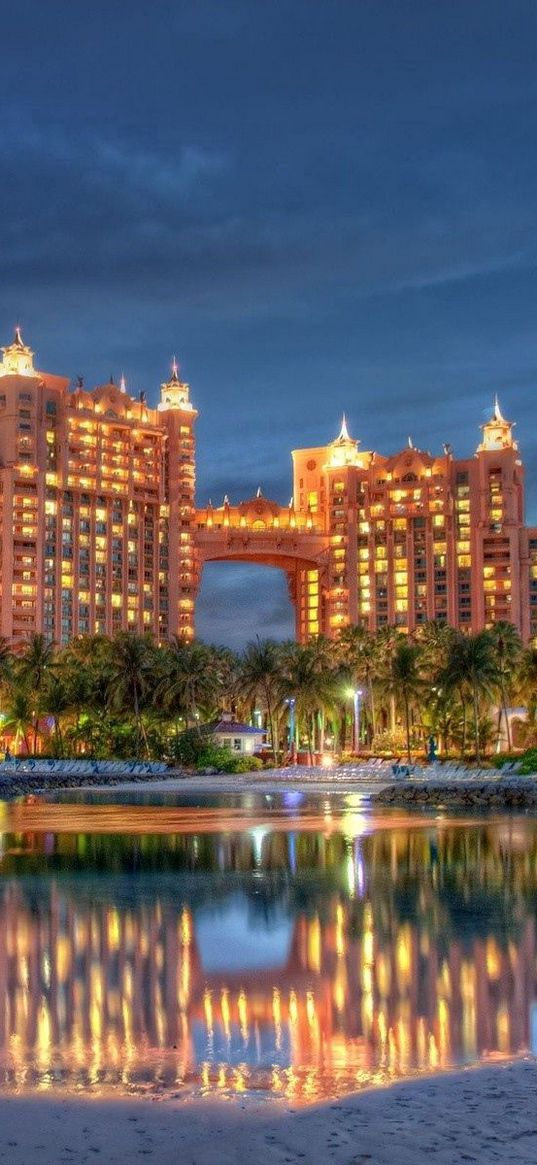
[(484, 1115)]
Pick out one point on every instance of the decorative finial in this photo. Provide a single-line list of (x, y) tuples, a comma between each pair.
[(111, 381), (122, 383), (18, 337), (497, 411), (226, 500), (175, 370), (291, 503), (344, 434), (410, 443), (448, 448), (259, 494), (80, 383)]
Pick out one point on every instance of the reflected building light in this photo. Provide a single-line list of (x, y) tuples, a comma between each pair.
[(314, 945), (434, 1058), (226, 1018), (277, 1016), (242, 1006), (443, 1031), (340, 942), (208, 1012), (258, 834), (533, 1027), (503, 1027), (310, 1008)]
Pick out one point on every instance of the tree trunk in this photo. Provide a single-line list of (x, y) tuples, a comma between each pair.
[(373, 711), (407, 726), (392, 714), (321, 730), (310, 743), (506, 718), (476, 726), (463, 744)]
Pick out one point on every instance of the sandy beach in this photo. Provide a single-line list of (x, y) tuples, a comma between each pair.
[(483, 1116)]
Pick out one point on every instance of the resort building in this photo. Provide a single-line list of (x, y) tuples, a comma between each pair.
[(97, 505), (99, 530), (230, 733)]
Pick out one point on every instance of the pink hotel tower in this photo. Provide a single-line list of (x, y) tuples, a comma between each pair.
[(99, 529)]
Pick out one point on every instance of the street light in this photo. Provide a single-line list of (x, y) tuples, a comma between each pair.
[(291, 702), (356, 695)]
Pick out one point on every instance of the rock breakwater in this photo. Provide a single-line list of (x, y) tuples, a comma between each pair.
[(493, 794)]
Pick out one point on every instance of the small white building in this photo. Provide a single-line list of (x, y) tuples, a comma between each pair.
[(238, 737)]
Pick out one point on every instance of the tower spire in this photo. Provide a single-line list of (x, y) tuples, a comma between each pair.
[(344, 434), (17, 357), (497, 431), (497, 411), (174, 393)]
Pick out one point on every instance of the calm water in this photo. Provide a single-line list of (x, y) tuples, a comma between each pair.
[(300, 945)]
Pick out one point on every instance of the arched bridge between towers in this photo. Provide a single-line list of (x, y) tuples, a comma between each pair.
[(260, 531)]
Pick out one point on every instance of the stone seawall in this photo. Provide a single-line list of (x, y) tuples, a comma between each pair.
[(24, 784), (494, 794)]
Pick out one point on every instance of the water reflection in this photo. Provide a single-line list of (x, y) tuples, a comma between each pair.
[(308, 960)]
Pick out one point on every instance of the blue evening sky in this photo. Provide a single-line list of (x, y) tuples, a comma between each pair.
[(318, 204)]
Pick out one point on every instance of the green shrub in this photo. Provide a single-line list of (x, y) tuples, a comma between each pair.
[(528, 762), (504, 758), (188, 747), (222, 759)]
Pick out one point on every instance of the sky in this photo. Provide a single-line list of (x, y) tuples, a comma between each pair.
[(318, 205)]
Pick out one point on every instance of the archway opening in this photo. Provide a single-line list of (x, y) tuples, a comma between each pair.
[(239, 600)]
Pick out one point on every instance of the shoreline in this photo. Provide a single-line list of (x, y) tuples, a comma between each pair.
[(429, 790), (482, 1114)]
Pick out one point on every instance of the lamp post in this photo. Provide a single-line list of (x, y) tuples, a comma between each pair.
[(291, 703), (356, 696)]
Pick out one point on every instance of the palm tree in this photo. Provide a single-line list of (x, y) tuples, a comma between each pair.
[(260, 677), (472, 670), (6, 660), (56, 701), (19, 716), (191, 677), (386, 640), (435, 639), (33, 667), (360, 655), (311, 685), (132, 666), (403, 681), (508, 647)]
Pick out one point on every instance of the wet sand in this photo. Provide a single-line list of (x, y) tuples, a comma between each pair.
[(485, 1115)]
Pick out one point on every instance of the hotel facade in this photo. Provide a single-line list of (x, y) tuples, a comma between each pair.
[(99, 529)]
